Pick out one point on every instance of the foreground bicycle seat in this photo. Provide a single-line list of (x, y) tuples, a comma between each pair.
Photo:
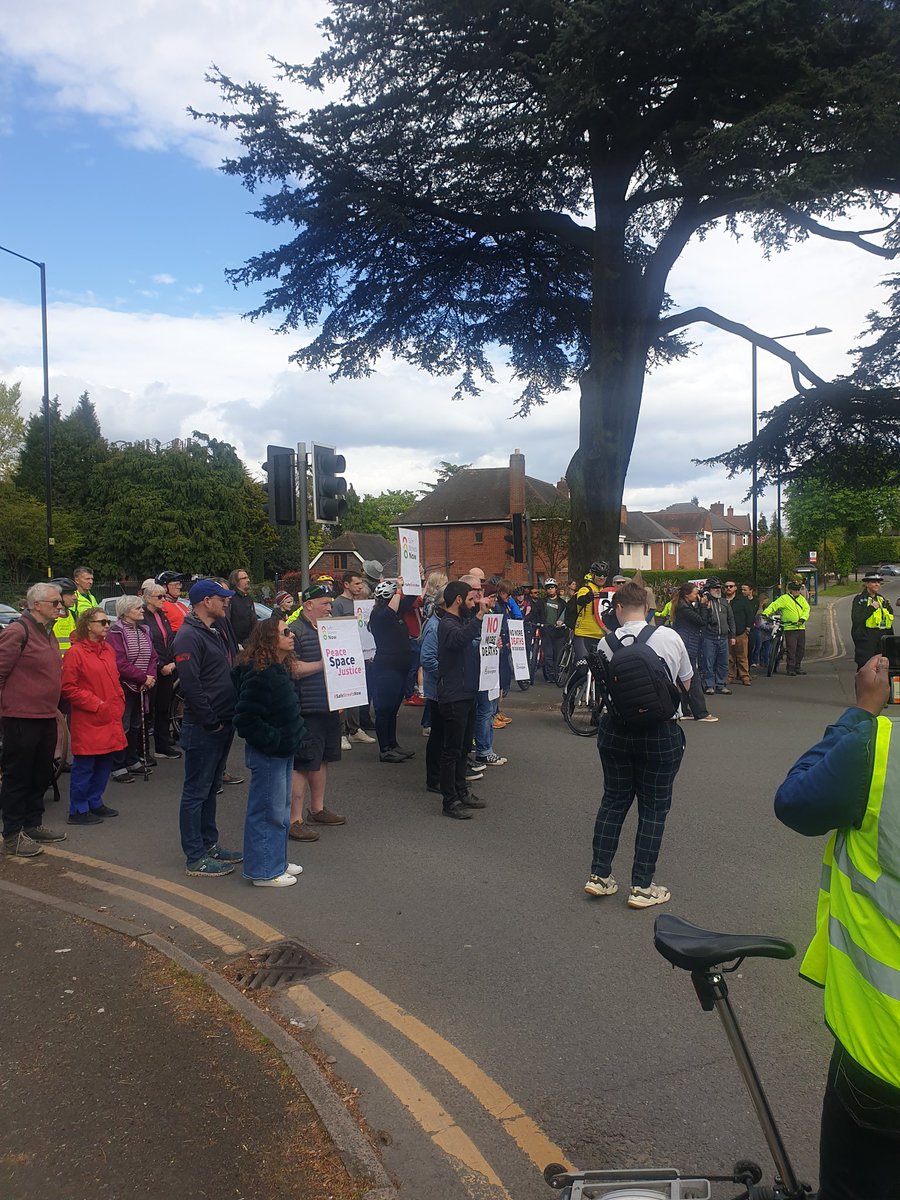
[(694, 949)]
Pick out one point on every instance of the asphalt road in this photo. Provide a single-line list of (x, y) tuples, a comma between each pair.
[(481, 929)]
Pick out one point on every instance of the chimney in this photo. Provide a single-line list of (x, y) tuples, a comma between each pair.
[(718, 508), (563, 488), (623, 515), (517, 482), (730, 511)]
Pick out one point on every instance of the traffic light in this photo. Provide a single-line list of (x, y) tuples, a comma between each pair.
[(516, 547), (328, 484), (281, 485)]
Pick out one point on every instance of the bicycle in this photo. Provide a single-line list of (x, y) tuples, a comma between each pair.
[(565, 660), (702, 953), (534, 652), (776, 649), (582, 703)]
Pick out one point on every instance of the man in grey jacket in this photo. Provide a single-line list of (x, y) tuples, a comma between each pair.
[(718, 636)]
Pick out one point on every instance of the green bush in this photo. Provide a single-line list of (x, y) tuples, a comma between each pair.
[(876, 549)]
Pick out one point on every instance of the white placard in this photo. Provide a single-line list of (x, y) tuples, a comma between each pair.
[(489, 676), (517, 648), (409, 561), (363, 611), (343, 663)]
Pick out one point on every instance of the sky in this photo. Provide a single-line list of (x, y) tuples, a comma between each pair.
[(106, 178)]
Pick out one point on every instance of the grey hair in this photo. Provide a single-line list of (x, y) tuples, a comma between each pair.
[(148, 586), (125, 604), (42, 591), (474, 581)]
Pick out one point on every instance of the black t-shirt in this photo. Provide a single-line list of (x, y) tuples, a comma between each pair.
[(392, 650)]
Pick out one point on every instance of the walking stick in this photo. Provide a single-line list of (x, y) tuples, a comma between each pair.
[(145, 740)]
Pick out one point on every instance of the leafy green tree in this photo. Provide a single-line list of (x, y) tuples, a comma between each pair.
[(23, 537), (374, 514), (762, 525), (550, 530), (740, 565), (526, 173), (29, 474), (12, 427)]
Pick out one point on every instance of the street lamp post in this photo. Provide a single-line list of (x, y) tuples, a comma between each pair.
[(754, 538), (48, 467)]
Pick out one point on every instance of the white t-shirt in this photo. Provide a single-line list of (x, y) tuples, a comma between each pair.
[(662, 641)]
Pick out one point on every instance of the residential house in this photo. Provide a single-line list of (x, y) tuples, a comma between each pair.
[(693, 525), (646, 545), (731, 532), (348, 553)]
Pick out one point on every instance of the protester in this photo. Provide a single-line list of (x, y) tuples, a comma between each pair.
[(390, 668), (203, 662), (64, 626), (267, 716), (552, 628), (284, 603), (84, 598), (93, 689), (718, 635), (356, 719), (687, 619), (322, 742), (222, 625), (637, 762), (30, 675), (487, 715), (589, 628), (137, 663), (744, 612), (429, 661), (848, 785), (794, 612), (242, 610), (162, 696), (871, 617), (174, 610), (754, 641)]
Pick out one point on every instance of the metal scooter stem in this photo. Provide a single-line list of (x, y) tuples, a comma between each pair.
[(717, 990)]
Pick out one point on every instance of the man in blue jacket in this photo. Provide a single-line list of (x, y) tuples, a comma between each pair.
[(204, 660), (850, 784)]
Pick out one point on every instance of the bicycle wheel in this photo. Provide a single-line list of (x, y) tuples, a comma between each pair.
[(177, 712), (564, 664), (776, 650), (580, 709)]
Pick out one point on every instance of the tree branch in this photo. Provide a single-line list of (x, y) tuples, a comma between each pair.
[(557, 225), (692, 316), (836, 235)]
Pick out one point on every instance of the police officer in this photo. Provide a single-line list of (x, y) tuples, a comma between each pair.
[(850, 784), (871, 617)]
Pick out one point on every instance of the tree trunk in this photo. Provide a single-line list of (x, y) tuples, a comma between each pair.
[(611, 394)]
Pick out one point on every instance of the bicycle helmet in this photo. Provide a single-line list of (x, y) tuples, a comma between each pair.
[(550, 583), (714, 583), (385, 589), (164, 578), (599, 567), (64, 585)]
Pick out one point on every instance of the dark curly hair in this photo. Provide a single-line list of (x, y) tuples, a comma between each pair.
[(263, 644)]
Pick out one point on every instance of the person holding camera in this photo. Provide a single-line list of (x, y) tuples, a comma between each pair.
[(718, 637)]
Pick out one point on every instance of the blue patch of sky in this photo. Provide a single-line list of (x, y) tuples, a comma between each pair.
[(107, 218)]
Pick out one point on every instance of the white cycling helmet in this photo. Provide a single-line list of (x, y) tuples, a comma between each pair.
[(385, 589), (550, 583)]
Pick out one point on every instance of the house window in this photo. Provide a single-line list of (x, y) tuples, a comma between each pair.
[(340, 562), (745, 540), (646, 547), (479, 535), (628, 549)]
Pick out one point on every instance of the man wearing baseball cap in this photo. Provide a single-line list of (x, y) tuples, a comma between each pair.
[(871, 617), (204, 660), (794, 612)]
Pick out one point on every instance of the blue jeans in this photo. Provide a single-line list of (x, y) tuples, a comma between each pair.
[(388, 698), (205, 755), (268, 814), (87, 783), (485, 711), (715, 662)]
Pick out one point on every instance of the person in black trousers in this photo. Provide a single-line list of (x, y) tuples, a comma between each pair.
[(153, 596), (390, 667)]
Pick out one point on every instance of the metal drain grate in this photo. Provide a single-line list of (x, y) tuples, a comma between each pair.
[(279, 965)]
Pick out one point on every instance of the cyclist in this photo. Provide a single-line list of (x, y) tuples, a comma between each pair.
[(589, 628), (552, 626), (794, 613), (172, 610), (850, 784)]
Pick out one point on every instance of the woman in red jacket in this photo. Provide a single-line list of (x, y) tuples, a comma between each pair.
[(90, 682)]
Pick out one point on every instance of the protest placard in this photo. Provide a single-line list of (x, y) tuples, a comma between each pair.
[(517, 648), (489, 676), (363, 611), (344, 666), (409, 562)]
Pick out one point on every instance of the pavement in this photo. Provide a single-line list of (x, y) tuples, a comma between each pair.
[(467, 1016)]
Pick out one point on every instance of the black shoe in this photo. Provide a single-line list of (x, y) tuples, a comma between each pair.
[(799, 672), (168, 752), (138, 768), (124, 778), (80, 818), (458, 812), (403, 753), (232, 779), (473, 801), (65, 769), (391, 756), (435, 791), (105, 811)]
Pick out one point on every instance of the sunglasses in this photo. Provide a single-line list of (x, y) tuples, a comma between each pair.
[(286, 633), (101, 621)]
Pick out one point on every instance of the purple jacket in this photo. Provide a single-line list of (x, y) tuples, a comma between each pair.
[(128, 672)]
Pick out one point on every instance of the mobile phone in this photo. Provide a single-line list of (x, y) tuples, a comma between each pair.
[(890, 648)]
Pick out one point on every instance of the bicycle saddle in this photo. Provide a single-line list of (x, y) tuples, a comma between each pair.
[(694, 949)]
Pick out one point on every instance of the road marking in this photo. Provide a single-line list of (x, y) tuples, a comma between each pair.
[(259, 929), (838, 646), (476, 1174), (225, 943), (513, 1119)]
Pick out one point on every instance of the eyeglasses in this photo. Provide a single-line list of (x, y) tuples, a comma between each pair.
[(100, 621), (286, 633)]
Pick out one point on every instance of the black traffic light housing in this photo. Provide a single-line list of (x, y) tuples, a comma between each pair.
[(281, 485), (515, 537), (328, 484)]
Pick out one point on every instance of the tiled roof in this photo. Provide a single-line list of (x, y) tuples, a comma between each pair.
[(682, 518), (474, 495), (639, 527), (367, 546)]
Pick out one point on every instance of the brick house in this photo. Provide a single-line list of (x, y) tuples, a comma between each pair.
[(693, 525), (731, 531), (462, 523), (348, 553), (646, 545)]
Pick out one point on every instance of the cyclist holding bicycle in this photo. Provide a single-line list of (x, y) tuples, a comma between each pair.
[(850, 784), (589, 628)]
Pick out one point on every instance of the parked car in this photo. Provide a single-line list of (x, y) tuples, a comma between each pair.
[(8, 613), (889, 569)]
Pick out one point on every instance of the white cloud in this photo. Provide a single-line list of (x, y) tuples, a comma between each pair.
[(164, 278)]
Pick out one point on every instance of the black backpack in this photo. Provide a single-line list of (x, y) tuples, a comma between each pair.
[(636, 683)]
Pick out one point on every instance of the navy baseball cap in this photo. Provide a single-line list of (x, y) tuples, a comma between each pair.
[(207, 587)]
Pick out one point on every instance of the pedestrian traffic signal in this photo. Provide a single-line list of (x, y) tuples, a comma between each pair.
[(516, 547), (329, 487), (281, 485)]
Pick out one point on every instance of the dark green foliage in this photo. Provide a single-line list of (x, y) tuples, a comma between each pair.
[(374, 514), (740, 565), (873, 551)]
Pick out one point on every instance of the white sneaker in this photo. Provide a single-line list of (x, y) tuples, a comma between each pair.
[(345, 743), (426, 731), (285, 880), (648, 896), (708, 717), (361, 736), (598, 886), (293, 869)]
